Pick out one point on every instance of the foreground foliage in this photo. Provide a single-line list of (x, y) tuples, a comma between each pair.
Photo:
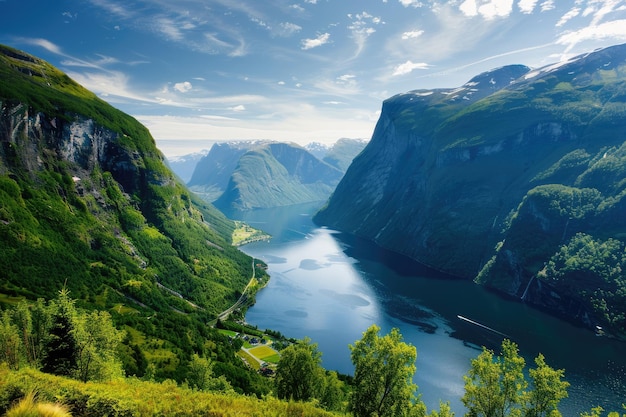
[(496, 386), (134, 397), (384, 369)]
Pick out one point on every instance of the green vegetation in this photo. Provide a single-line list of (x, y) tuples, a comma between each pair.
[(277, 174), (496, 386), (100, 215), (383, 376), (134, 397), (244, 233), (57, 338), (596, 265)]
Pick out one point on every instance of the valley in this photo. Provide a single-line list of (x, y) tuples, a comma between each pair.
[(477, 213)]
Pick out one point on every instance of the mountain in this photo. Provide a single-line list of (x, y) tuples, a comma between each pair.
[(516, 179), (87, 204), (342, 152), (261, 174), (184, 165), (212, 173)]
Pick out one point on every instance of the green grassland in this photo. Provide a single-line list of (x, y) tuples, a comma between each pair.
[(134, 397)]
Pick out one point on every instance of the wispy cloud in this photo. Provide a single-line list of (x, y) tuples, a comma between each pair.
[(321, 39), (412, 34), (361, 27), (408, 67), (43, 43), (114, 7), (112, 85), (572, 13), (287, 29), (615, 29)]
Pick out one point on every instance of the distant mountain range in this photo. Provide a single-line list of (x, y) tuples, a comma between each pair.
[(242, 175), (184, 165), (517, 179)]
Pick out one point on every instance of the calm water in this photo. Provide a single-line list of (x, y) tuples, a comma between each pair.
[(331, 288)]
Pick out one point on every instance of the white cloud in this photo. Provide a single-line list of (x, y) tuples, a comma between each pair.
[(111, 85), (314, 43), (408, 67), (615, 30), (547, 5), (238, 108), (567, 16), (347, 80), (488, 9), (114, 8), (183, 87), (414, 3), (469, 8), (346, 77), (361, 27), (527, 6), (412, 34), (44, 43), (169, 28), (287, 29)]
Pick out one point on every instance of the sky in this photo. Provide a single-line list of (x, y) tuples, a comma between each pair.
[(199, 71)]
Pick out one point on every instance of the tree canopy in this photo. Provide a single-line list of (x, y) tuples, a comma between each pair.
[(383, 376)]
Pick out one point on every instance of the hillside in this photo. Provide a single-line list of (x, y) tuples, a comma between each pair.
[(515, 179), (260, 174), (87, 204)]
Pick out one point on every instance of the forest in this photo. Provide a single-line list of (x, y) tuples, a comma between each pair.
[(57, 356)]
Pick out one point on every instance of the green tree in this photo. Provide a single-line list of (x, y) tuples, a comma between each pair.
[(444, 410), (61, 352), (97, 341), (299, 375), (383, 376), (9, 342), (332, 394), (495, 386), (549, 389)]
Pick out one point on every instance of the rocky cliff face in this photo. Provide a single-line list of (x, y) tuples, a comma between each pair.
[(86, 201), (467, 180), (78, 141)]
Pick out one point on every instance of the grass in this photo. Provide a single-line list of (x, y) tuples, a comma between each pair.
[(244, 233), (28, 406), (130, 396), (263, 352), (249, 359)]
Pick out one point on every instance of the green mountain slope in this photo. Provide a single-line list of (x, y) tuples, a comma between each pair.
[(87, 203), (499, 178), (261, 174)]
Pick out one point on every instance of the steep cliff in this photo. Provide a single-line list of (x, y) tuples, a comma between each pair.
[(456, 178)]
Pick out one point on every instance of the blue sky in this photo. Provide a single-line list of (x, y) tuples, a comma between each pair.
[(195, 71)]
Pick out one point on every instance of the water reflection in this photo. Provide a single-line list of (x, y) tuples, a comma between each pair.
[(331, 287)]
